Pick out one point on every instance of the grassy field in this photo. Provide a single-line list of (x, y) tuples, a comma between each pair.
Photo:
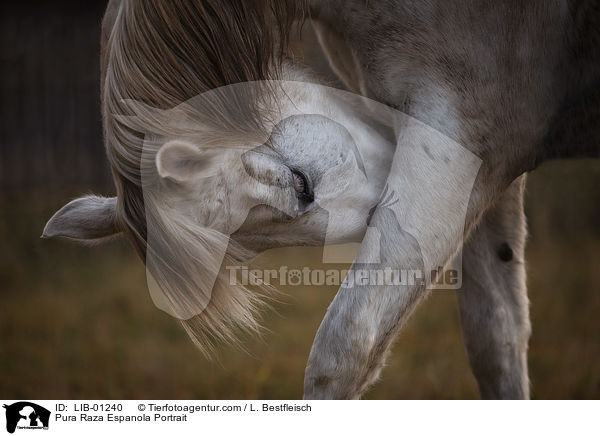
[(77, 322)]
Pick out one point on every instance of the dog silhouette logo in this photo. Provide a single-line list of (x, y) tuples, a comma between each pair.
[(26, 415)]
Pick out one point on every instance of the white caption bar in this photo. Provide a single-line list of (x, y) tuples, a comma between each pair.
[(297, 417)]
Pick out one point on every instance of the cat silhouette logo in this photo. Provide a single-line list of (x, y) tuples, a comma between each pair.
[(26, 415)]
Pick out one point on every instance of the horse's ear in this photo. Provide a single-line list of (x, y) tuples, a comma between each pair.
[(182, 161), (86, 218)]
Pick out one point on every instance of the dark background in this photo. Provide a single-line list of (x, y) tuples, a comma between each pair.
[(77, 322), (51, 125)]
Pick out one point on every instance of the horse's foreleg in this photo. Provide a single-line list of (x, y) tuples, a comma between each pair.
[(362, 321), (493, 302), (435, 192)]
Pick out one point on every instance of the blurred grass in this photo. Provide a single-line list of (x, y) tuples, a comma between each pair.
[(77, 322)]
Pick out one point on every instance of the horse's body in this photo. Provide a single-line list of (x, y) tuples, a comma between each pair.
[(515, 84)]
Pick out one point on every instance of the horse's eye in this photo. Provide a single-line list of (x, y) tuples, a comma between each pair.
[(303, 186)]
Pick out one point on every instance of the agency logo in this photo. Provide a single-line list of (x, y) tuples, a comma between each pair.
[(26, 415)]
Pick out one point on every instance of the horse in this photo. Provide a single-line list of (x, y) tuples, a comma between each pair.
[(490, 91)]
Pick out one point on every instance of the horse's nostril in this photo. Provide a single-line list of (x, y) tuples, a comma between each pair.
[(370, 216), (303, 186), (299, 182)]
